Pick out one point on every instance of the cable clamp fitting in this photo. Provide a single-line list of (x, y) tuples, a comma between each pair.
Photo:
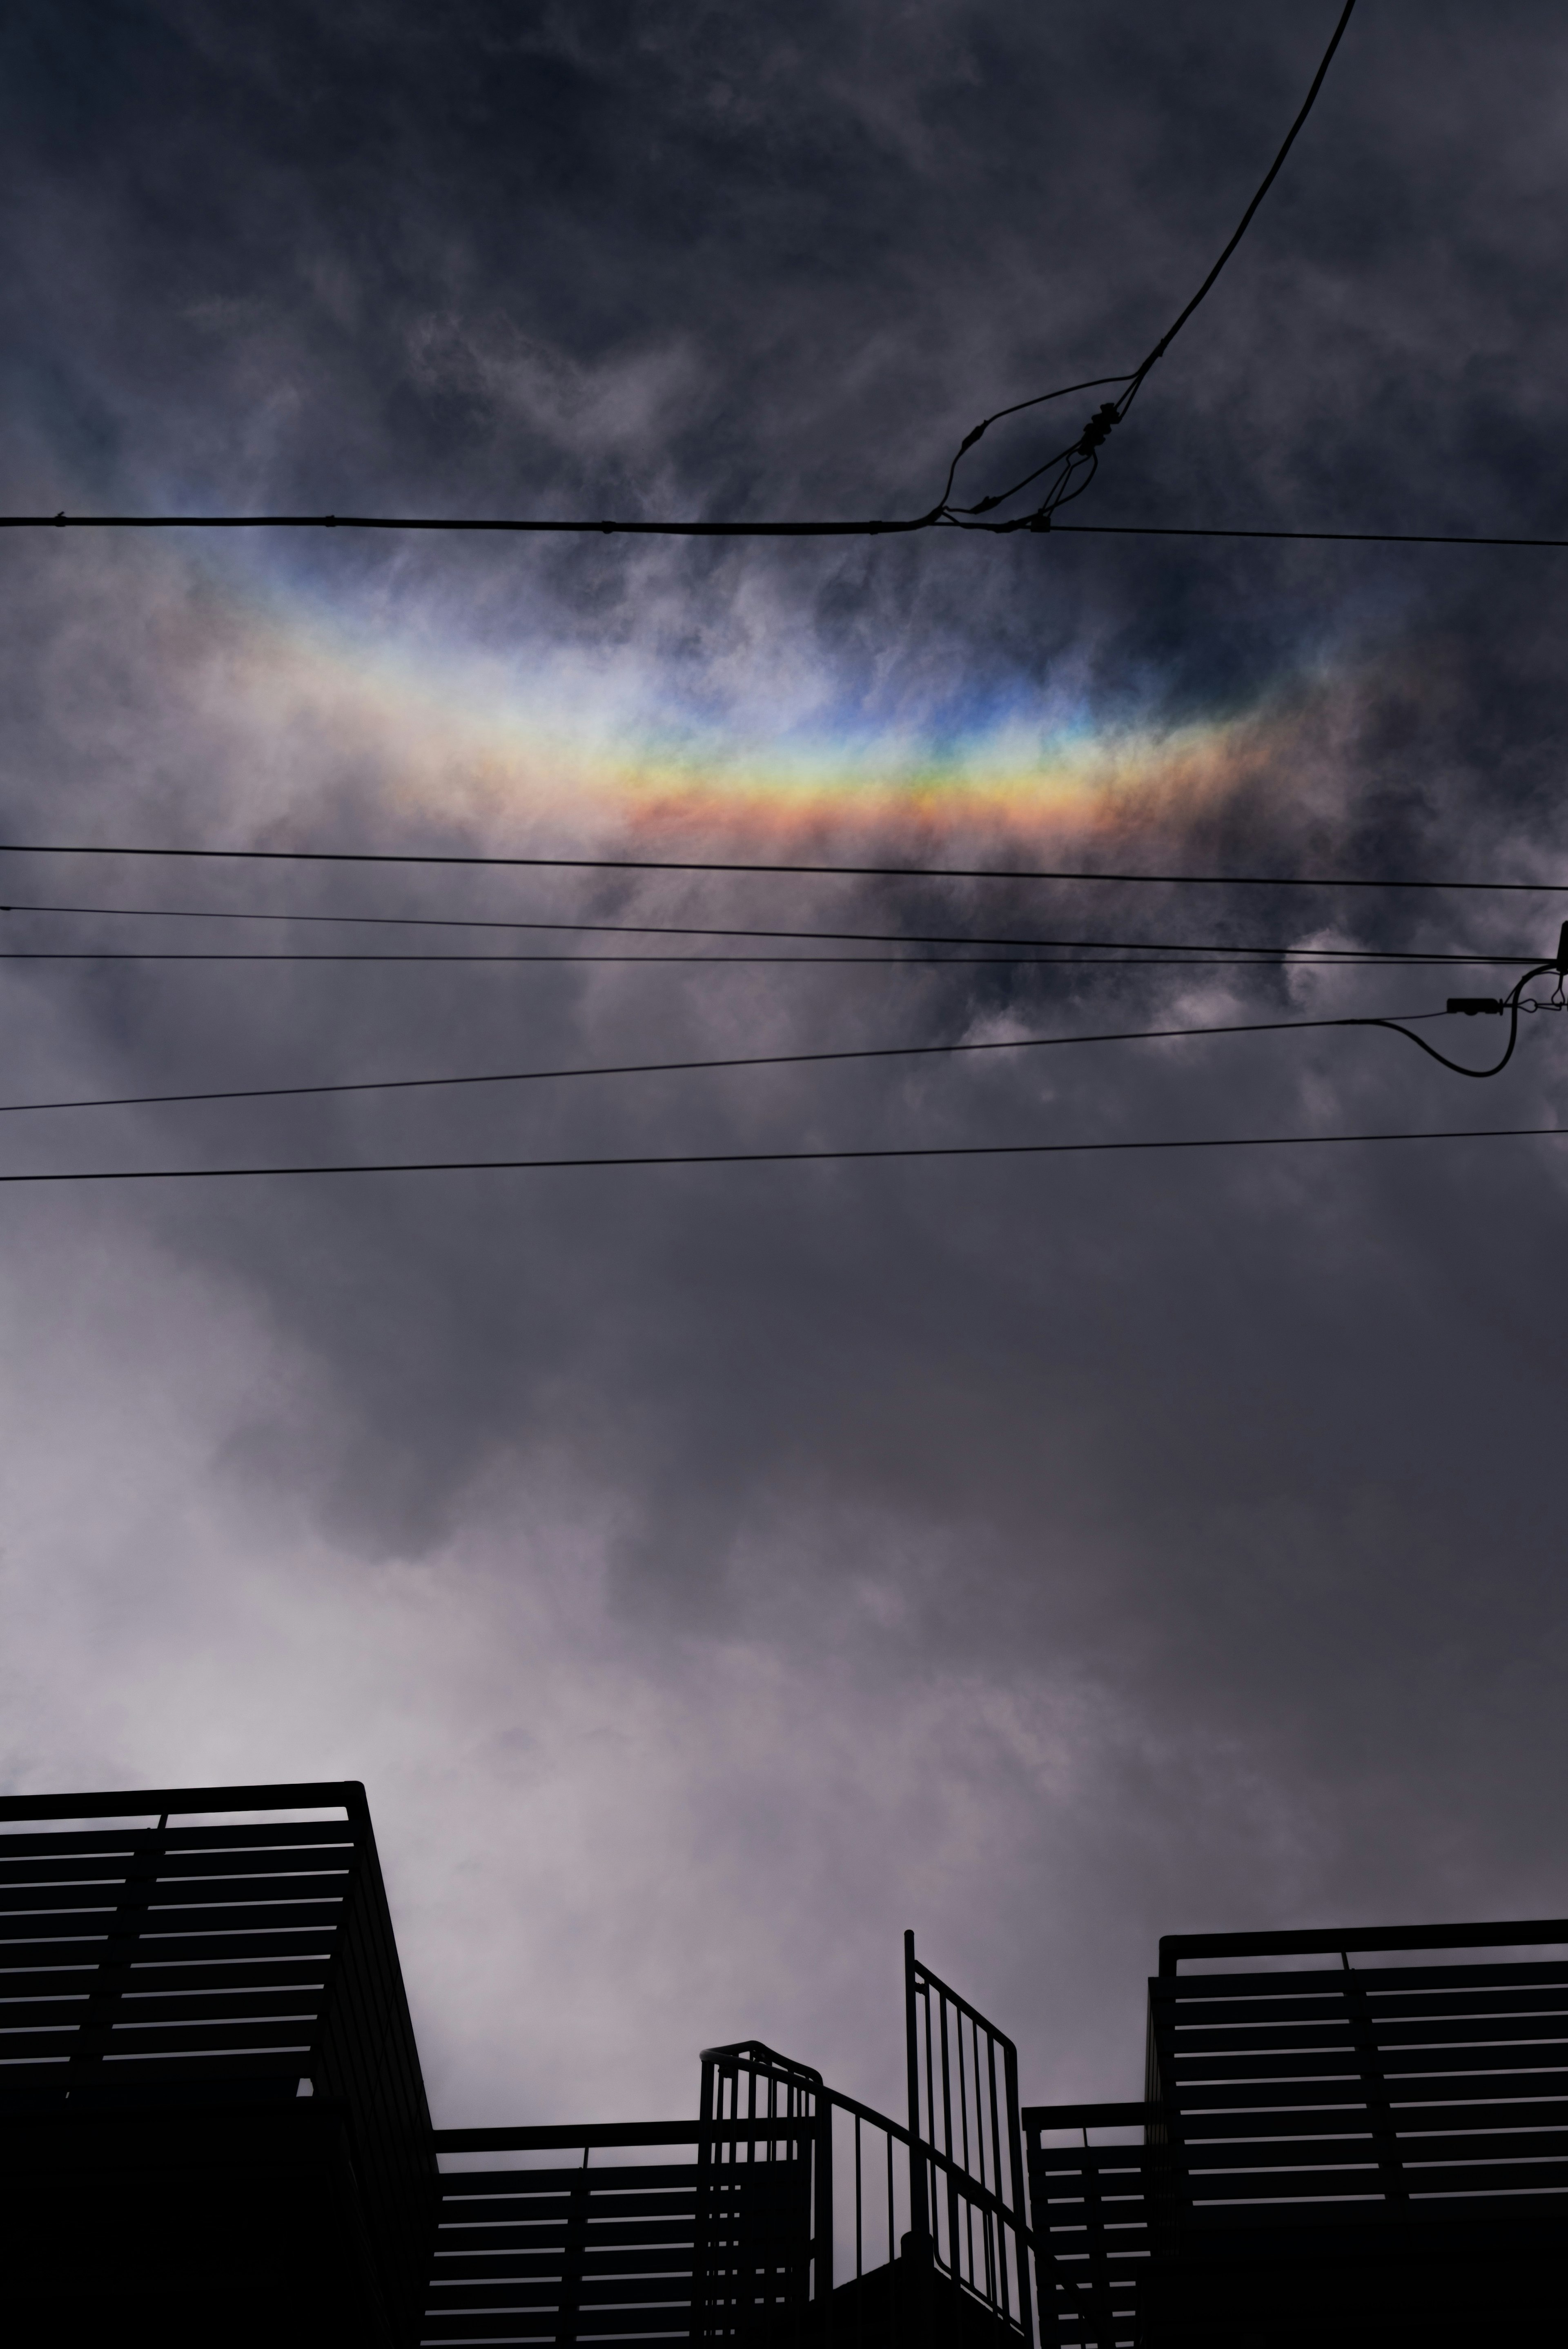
[(1103, 419), (1471, 1004)]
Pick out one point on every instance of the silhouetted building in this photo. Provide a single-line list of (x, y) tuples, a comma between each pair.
[(213, 2130)]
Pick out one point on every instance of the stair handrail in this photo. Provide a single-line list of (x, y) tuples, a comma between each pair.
[(967, 2185)]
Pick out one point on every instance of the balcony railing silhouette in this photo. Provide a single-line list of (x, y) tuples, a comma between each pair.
[(212, 2114), (212, 2127)]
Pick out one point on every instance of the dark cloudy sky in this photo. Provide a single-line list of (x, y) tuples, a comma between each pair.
[(712, 1571)]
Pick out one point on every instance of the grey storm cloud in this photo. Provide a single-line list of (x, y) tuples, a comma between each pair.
[(712, 1570)]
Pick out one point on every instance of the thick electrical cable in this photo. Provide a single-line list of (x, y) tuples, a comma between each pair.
[(532, 526), (1069, 472), (683, 1068), (1071, 469), (1511, 1004), (1270, 176)]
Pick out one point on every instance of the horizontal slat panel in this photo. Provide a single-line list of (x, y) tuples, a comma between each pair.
[(239, 2005), (1543, 2217), (1167, 1992), (306, 1972), (441, 2330), (1548, 2111), (1120, 2181), (1070, 2256), (642, 2206), (456, 2184), (163, 1918), (43, 1875), (296, 1835), (539, 2325), (1438, 2032), (1499, 2088), (277, 1940), (168, 1895), (138, 1895), (163, 1897), (677, 2260), (1069, 2198), (1404, 2006), (459, 2268), (673, 2290), (547, 2295), (118, 2074), (1065, 2235), (260, 2062), (1507, 1933), (336, 1866), (1051, 2194), (552, 2136), (1066, 2240), (114, 1868), (1297, 2186), (651, 2293), (1045, 2170), (1539, 2145), (639, 2321), (1331, 2034), (546, 2242), (309, 1940), (1464, 2178), (1063, 2116), (205, 2036), (1395, 2066)]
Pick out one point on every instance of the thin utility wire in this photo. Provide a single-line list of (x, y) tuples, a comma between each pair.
[(737, 1060), (712, 930), (1323, 537), (1160, 959), (1068, 472), (761, 866), (784, 1157)]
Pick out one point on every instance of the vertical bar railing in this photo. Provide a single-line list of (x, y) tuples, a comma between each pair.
[(964, 2111), (762, 2271)]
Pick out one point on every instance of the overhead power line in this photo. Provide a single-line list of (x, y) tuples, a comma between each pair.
[(427, 857), (1066, 474), (1163, 958), (681, 1067), (784, 1157), (521, 525), (1151, 957), (1322, 537), (711, 930)]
